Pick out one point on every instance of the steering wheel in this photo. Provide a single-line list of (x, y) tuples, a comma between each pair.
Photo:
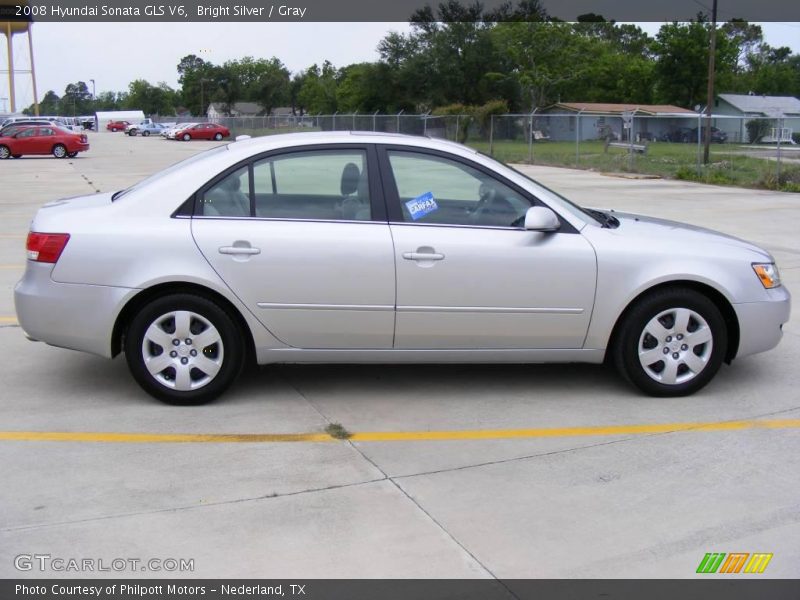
[(486, 195)]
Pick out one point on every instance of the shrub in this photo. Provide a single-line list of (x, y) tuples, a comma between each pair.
[(756, 129)]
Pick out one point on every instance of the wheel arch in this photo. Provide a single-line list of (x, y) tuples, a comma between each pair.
[(717, 297), (135, 303)]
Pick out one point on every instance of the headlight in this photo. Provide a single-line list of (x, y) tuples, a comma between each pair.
[(768, 274)]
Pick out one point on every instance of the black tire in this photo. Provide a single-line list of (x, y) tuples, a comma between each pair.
[(5, 152), (16, 156), (228, 353), (186, 137), (132, 133), (671, 353), (113, 130), (145, 133), (218, 136), (72, 154), (60, 151)]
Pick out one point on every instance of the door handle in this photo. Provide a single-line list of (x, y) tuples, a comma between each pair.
[(423, 256), (236, 250)]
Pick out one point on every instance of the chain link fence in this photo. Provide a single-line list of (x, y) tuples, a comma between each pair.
[(748, 151)]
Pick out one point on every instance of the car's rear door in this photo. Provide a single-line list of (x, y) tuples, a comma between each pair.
[(468, 274), (301, 238)]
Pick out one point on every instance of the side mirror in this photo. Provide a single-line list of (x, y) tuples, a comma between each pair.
[(540, 218)]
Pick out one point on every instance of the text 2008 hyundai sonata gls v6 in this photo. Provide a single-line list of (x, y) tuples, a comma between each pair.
[(383, 248)]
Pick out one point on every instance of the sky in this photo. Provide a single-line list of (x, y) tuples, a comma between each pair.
[(113, 54)]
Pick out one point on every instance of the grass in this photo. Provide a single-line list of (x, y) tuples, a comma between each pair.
[(728, 165)]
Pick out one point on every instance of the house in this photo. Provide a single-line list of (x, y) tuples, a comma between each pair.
[(749, 106), (238, 109), (568, 121)]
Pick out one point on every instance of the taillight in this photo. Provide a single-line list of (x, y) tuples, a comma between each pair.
[(46, 247), (84, 139)]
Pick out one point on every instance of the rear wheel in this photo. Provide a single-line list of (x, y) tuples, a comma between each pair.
[(186, 137), (59, 151), (671, 342), (4, 152), (184, 349)]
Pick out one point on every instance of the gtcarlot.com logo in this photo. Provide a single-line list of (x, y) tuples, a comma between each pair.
[(47, 562), (735, 562)]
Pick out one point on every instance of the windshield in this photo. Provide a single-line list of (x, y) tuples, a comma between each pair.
[(169, 170), (569, 205)]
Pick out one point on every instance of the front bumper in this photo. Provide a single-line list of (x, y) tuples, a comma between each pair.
[(75, 316), (760, 323)]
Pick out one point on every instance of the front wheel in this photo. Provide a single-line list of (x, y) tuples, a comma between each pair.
[(186, 137), (4, 152), (113, 130), (184, 349), (145, 133), (218, 136), (671, 342), (59, 151)]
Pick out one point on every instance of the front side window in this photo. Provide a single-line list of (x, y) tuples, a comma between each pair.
[(318, 184), (435, 190), (229, 197)]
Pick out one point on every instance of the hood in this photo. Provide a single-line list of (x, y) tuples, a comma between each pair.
[(687, 235)]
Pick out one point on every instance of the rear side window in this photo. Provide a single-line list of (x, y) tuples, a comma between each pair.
[(229, 197), (318, 185)]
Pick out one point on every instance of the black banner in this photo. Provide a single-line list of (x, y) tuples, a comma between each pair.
[(258, 11), (477, 589)]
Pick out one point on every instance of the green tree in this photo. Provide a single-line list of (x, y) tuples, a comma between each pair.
[(318, 91), (77, 99)]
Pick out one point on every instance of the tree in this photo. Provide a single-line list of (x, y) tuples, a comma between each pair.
[(197, 78), (77, 99), (150, 99), (49, 105), (318, 91), (270, 87)]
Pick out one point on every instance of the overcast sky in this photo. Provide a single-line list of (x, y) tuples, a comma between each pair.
[(113, 54)]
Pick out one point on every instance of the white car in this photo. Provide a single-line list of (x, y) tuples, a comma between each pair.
[(379, 248), (170, 133)]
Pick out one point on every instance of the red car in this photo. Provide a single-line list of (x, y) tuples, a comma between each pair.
[(117, 125), (44, 139), (203, 131)]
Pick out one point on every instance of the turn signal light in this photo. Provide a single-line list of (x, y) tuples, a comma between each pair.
[(46, 247)]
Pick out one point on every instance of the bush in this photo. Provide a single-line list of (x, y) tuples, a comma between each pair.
[(796, 137), (789, 180), (756, 129), (483, 114), (451, 110)]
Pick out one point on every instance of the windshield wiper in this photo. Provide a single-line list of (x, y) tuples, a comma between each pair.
[(608, 220)]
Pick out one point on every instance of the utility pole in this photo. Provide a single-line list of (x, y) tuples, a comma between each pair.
[(712, 51)]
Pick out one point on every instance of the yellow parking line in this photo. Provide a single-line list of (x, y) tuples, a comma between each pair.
[(393, 436), (12, 320)]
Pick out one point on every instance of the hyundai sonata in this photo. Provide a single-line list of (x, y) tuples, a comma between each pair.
[(380, 248)]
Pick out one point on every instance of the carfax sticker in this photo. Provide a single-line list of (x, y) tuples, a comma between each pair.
[(421, 205)]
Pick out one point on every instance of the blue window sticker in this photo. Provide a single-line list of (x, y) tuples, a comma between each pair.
[(422, 205)]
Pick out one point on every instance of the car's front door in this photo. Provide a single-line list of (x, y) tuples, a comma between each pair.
[(468, 274), (301, 238)]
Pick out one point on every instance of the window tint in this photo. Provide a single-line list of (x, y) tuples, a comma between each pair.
[(46, 131), (325, 185), (442, 191), (229, 197)]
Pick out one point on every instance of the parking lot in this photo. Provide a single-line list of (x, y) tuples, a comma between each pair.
[(536, 471)]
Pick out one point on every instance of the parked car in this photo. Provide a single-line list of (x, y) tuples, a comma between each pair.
[(115, 126), (20, 123), (146, 129), (680, 134), (379, 248), (43, 139), (717, 136), (203, 131), (170, 133)]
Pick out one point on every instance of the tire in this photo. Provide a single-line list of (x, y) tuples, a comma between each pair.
[(60, 151), (218, 136), (72, 154), (186, 137), (185, 378), (113, 130), (145, 133), (4, 152), (671, 342), (132, 133)]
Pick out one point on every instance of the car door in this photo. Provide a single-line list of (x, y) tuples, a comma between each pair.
[(468, 274), (26, 141), (44, 140), (301, 238)]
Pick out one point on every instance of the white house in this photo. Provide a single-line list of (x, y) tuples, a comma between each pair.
[(103, 118), (783, 112)]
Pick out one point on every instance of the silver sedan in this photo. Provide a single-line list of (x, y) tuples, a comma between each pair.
[(379, 248)]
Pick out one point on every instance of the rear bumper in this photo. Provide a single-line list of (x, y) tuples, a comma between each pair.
[(75, 316), (760, 323)]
